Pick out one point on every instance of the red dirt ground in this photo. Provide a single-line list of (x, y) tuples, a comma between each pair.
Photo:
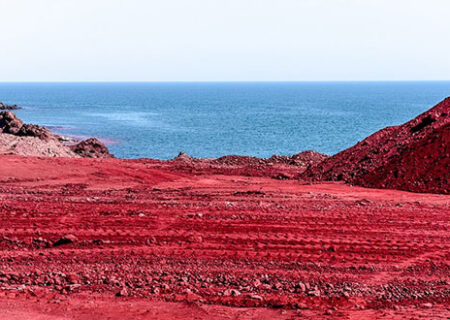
[(144, 239)]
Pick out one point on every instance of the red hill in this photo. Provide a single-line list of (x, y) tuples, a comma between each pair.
[(414, 156)]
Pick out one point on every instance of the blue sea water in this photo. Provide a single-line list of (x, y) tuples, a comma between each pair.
[(158, 120)]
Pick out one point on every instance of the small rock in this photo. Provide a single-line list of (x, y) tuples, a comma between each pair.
[(67, 239), (302, 287), (314, 293), (231, 292), (91, 148), (329, 312), (122, 293)]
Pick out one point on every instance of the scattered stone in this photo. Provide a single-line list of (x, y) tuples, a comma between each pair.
[(91, 148), (232, 292), (4, 106), (67, 239), (122, 293), (183, 157), (314, 293)]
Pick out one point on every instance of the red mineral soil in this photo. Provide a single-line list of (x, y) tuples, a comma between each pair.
[(228, 238), (414, 156)]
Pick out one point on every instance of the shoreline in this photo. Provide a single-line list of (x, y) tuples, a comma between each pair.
[(377, 161)]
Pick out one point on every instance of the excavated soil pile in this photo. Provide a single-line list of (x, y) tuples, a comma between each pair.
[(414, 156), (277, 167)]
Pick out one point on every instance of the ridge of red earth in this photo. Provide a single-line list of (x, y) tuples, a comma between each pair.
[(414, 156), (276, 167)]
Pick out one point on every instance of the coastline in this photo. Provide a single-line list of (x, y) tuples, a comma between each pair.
[(372, 162)]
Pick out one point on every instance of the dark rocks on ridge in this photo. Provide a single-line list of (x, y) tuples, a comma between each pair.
[(4, 106), (31, 139), (91, 148), (10, 123)]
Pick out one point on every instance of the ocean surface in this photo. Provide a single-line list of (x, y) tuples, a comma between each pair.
[(158, 120)]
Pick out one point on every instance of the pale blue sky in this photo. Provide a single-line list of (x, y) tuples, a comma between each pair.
[(227, 40)]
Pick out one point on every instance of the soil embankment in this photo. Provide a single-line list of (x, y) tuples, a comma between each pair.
[(414, 156)]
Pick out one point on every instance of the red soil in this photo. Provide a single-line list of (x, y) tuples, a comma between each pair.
[(145, 239), (414, 156), (277, 167)]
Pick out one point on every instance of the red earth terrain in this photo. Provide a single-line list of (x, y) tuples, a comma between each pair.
[(144, 239), (414, 156)]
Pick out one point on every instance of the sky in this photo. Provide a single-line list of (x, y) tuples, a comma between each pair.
[(227, 40)]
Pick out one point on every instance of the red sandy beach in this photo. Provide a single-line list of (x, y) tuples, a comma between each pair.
[(360, 235)]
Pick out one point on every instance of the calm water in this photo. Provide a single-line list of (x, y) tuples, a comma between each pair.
[(212, 119)]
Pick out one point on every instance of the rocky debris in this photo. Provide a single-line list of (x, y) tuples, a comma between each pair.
[(308, 158), (237, 160), (10, 123), (67, 239), (231, 292), (33, 146), (34, 140), (276, 167), (122, 293), (302, 159), (183, 157), (33, 130), (4, 106), (414, 156), (91, 148)]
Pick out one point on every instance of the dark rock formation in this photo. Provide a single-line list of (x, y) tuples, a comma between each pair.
[(91, 148), (4, 106), (19, 139), (183, 157), (10, 123), (33, 130)]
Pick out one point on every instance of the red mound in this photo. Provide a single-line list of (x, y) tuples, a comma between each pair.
[(414, 156), (277, 167), (304, 159)]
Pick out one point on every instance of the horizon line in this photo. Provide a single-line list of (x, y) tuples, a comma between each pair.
[(218, 81)]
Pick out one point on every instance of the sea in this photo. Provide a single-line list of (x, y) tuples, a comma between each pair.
[(212, 119)]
